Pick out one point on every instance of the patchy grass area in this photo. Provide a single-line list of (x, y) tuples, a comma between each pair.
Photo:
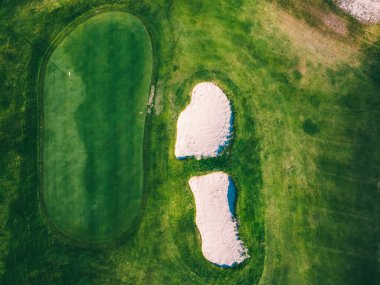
[(317, 191)]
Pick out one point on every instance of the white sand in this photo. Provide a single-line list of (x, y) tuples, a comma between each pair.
[(151, 99), (214, 195), (367, 11), (204, 127)]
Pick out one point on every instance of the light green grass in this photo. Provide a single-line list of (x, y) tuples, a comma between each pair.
[(308, 196), (96, 88)]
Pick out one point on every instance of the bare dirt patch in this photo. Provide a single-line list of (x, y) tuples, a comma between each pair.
[(335, 24), (332, 22), (312, 44)]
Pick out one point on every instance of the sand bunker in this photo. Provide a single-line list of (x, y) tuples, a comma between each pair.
[(367, 11), (205, 126), (215, 196)]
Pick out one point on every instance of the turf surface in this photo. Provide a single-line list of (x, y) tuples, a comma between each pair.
[(305, 156), (96, 88)]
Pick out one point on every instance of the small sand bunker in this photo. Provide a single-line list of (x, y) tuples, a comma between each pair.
[(215, 196), (367, 11), (205, 126)]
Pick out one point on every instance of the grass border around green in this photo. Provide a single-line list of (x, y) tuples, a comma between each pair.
[(40, 118)]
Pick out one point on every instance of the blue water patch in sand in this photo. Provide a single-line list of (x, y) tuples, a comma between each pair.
[(225, 265), (231, 196)]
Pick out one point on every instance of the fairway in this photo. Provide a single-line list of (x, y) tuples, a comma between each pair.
[(96, 88)]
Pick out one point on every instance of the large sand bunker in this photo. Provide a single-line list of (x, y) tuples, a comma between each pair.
[(205, 126), (367, 11), (215, 196)]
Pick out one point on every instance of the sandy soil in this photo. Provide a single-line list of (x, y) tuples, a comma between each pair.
[(215, 196), (367, 11), (205, 126)]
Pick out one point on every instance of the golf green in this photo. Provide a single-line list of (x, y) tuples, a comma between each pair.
[(95, 92)]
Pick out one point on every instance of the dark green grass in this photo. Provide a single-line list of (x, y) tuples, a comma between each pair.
[(318, 191), (96, 87)]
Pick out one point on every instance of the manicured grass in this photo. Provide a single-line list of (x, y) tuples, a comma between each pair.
[(304, 158), (96, 87)]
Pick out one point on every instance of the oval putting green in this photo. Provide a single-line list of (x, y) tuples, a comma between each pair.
[(96, 87)]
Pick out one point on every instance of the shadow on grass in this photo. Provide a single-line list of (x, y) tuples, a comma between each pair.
[(354, 199)]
